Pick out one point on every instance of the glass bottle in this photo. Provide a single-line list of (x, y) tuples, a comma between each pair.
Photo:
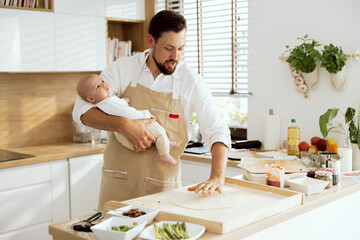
[(293, 139), (341, 136)]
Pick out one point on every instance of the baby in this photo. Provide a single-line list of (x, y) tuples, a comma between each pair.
[(93, 89)]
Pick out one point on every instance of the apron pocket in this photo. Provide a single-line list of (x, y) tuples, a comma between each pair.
[(153, 185), (115, 174)]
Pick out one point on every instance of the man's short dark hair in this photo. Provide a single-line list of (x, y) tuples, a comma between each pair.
[(165, 21)]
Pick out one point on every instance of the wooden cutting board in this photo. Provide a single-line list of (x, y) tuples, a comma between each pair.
[(258, 166), (240, 204)]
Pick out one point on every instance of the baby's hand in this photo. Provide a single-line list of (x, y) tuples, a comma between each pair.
[(126, 99)]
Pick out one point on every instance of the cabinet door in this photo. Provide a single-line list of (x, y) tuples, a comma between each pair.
[(126, 9), (80, 7), (85, 179), (27, 42), (80, 43)]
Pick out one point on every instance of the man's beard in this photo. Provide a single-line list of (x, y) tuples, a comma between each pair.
[(162, 67)]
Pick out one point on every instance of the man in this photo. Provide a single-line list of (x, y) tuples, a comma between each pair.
[(157, 81)]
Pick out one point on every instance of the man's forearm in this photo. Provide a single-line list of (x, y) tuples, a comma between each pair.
[(219, 153), (96, 118)]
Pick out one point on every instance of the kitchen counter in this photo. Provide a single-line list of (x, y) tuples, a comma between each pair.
[(52, 152), (346, 195)]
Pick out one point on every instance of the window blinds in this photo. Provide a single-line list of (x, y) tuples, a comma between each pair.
[(217, 41)]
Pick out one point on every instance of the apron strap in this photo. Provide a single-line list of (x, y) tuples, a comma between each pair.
[(137, 76), (176, 88)]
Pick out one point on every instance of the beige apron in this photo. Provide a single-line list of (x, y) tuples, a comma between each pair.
[(128, 174)]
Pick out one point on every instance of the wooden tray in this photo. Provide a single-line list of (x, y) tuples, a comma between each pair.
[(251, 202), (258, 166)]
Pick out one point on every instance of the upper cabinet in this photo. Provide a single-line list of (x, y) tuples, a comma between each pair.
[(125, 9), (80, 42), (81, 7), (27, 41)]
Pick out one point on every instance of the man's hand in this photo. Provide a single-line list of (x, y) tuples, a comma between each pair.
[(136, 132), (209, 186)]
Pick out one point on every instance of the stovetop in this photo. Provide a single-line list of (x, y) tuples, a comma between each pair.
[(6, 155)]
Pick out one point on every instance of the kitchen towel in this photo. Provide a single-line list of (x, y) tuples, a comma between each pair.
[(272, 140)]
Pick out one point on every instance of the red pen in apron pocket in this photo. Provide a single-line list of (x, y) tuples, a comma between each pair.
[(173, 115)]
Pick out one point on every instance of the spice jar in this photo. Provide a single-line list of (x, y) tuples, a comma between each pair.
[(335, 175), (325, 176)]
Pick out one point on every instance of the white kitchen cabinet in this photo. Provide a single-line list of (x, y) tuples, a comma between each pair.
[(27, 42), (31, 198), (194, 172), (80, 7), (80, 43), (85, 179), (125, 9)]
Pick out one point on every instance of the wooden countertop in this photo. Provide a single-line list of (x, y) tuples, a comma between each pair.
[(346, 187), (52, 152)]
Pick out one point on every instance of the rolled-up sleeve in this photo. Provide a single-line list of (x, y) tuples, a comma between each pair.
[(212, 126)]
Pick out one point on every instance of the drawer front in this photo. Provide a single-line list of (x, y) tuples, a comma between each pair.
[(24, 176), (25, 206), (38, 232)]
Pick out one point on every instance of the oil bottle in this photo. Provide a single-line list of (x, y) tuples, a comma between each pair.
[(293, 139)]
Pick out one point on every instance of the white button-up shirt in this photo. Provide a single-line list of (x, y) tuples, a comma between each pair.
[(195, 96)]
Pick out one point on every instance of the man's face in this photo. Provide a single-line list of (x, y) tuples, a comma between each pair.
[(168, 50)]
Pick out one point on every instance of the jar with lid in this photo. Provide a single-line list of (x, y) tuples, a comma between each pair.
[(325, 176), (335, 175), (341, 136)]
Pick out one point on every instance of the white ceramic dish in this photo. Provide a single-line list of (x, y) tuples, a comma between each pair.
[(103, 230), (148, 217), (307, 185), (194, 230), (261, 178)]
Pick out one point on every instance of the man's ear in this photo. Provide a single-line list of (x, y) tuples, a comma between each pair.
[(150, 41), (90, 99)]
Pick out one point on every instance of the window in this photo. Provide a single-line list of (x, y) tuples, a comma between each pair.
[(217, 47)]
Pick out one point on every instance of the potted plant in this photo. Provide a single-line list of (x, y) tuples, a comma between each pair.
[(333, 60), (304, 58), (352, 119)]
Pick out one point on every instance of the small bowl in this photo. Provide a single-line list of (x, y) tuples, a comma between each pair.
[(307, 185), (148, 217), (103, 230)]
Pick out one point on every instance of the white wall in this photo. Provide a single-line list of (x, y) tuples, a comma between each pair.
[(274, 24)]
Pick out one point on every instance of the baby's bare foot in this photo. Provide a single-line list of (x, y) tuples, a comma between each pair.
[(168, 159), (174, 144)]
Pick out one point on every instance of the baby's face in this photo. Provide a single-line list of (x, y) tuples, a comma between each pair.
[(98, 89)]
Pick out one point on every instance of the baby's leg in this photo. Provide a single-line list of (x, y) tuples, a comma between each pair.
[(162, 143)]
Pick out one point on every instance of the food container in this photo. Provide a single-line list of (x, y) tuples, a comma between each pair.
[(335, 176), (275, 175), (307, 185), (148, 217), (325, 176), (103, 230), (261, 178)]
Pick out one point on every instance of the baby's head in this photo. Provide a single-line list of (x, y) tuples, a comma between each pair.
[(93, 89)]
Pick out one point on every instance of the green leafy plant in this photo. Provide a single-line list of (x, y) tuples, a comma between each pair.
[(333, 58), (351, 118), (304, 56)]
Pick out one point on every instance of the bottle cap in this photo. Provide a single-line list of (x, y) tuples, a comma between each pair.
[(293, 120), (271, 111)]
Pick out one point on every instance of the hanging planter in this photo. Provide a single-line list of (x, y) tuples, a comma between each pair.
[(333, 60), (312, 79), (303, 58)]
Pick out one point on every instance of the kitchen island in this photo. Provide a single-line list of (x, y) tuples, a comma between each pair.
[(332, 214)]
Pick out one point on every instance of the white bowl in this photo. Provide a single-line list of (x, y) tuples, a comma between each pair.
[(103, 230), (307, 185), (194, 230), (148, 217), (261, 178)]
